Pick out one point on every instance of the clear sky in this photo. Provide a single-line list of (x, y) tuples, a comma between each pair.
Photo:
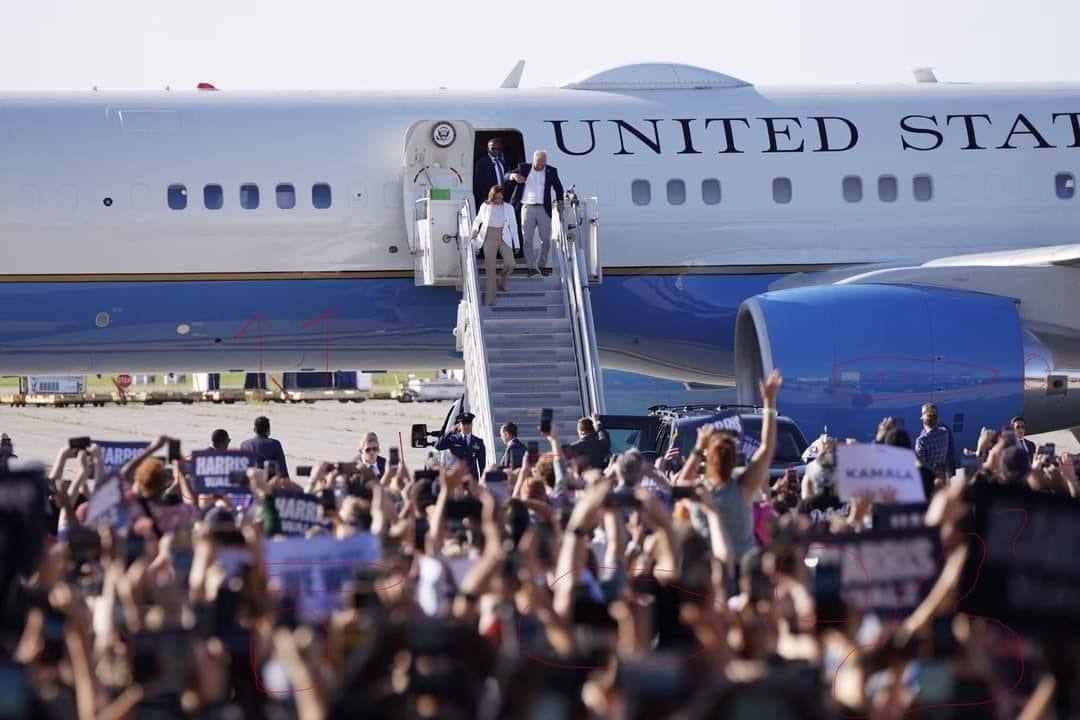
[(265, 44)]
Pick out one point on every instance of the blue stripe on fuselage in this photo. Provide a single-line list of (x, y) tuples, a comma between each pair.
[(683, 324)]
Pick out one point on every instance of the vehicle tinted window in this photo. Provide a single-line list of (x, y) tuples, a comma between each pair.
[(320, 196), (852, 189), (249, 196), (1065, 185), (710, 191), (286, 196), (641, 192), (622, 439), (676, 192), (213, 197), (922, 187), (789, 449), (781, 190), (177, 197), (887, 188)]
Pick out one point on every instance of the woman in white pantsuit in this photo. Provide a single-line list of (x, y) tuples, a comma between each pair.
[(495, 221)]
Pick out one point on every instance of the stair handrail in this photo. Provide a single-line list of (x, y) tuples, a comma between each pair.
[(477, 386), (579, 305), (595, 372)]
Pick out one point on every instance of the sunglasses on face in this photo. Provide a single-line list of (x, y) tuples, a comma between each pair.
[(371, 450)]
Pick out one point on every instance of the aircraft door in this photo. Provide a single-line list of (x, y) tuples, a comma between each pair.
[(436, 178)]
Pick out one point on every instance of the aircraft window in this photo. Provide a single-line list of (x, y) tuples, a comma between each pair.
[(641, 192), (1065, 184), (177, 196), (320, 196), (922, 187), (781, 190), (249, 196), (676, 192), (853, 188), (286, 196), (213, 197), (887, 188), (710, 191)]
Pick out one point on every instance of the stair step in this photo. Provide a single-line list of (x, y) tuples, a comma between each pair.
[(539, 342), (523, 312), (528, 284), (528, 356), (535, 397), (528, 426), (530, 298), (532, 370), (516, 323), (546, 383)]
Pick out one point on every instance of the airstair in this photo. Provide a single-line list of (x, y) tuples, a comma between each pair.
[(537, 347)]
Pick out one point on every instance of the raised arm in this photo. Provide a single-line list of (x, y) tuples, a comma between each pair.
[(128, 471), (691, 469), (756, 475), (448, 482)]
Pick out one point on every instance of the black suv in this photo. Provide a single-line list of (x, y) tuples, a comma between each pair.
[(664, 427)]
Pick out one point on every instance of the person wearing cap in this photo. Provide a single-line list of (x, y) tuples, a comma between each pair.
[(219, 439), (465, 446)]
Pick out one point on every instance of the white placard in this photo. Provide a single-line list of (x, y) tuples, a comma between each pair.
[(878, 468)]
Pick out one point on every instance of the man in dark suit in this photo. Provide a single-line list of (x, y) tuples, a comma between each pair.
[(369, 456), (593, 443), (465, 446), (535, 184), (490, 170), (1019, 426), (515, 449), (265, 447)]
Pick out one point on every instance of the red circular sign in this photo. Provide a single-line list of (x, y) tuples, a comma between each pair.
[(123, 381)]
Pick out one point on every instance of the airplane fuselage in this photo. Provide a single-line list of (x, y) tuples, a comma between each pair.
[(706, 197)]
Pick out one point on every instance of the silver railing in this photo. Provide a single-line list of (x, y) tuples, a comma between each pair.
[(471, 333), (575, 281)]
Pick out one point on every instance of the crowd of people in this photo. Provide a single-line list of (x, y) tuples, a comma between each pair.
[(568, 582)]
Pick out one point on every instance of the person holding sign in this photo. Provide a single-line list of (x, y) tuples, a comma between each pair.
[(719, 450)]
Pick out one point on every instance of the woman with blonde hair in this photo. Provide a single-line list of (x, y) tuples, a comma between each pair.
[(496, 220)]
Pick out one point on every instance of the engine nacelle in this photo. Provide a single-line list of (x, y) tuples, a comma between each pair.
[(853, 354)]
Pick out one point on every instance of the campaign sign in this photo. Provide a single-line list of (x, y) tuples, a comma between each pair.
[(731, 421), (298, 513), (116, 455), (1030, 576), (313, 571), (888, 472), (210, 471), (899, 516), (887, 572), (106, 505)]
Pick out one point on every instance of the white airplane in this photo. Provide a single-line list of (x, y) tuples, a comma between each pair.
[(920, 240)]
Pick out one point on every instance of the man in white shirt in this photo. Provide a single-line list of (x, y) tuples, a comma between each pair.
[(534, 185)]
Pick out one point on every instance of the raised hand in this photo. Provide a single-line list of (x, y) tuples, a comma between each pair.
[(770, 388), (703, 434)]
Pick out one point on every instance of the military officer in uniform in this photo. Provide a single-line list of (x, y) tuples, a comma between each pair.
[(465, 446)]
